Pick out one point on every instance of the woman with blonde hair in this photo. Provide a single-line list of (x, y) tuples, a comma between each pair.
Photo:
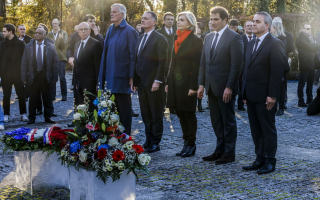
[(182, 83)]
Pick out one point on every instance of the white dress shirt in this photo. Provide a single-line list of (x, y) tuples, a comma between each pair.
[(261, 38), (249, 38), (84, 44), (42, 48), (220, 34), (55, 35), (168, 30), (21, 39)]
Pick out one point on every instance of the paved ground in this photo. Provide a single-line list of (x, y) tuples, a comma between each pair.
[(297, 175)]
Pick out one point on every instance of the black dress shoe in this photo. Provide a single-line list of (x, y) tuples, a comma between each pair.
[(153, 148), (190, 151), (71, 125), (146, 145), (255, 166), (31, 121), (53, 115), (267, 168), (183, 150), (64, 98), (302, 104), (212, 157), (280, 112), (135, 115), (241, 108), (50, 121), (285, 107), (225, 158), (39, 112)]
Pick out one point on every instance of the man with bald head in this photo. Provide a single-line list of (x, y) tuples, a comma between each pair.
[(39, 69), (61, 42), (87, 57)]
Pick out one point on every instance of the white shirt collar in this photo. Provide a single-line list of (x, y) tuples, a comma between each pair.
[(261, 38), (149, 33), (86, 40), (57, 31), (168, 29), (222, 30)]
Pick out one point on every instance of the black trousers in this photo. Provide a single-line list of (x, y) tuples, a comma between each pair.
[(39, 105), (39, 86), (188, 122), (306, 76), (240, 98), (224, 123), (123, 103), (283, 92), (151, 105), (91, 98), (314, 106), (263, 131), (9, 79)]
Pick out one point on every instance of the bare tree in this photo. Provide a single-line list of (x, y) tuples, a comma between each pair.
[(2, 8)]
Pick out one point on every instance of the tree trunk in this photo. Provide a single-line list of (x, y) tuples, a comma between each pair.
[(183, 2), (150, 4), (281, 6), (170, 6), (195, 8), (265, 5), (2, 8)]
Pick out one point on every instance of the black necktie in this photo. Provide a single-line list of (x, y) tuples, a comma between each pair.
[(169, 32), (142, 44), (81, 49), (255, 48), (250, 38), (214, 46), (39, 58)]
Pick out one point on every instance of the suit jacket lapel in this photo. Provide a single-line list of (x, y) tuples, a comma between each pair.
[(208, 46), (260, 47), (221, 40), (86, 47), (149, 39), (138, 44), (76, 51)]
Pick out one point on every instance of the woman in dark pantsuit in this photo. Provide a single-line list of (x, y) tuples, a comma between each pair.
[(182, 83)]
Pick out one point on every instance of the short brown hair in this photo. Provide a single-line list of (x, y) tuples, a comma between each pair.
[(222, 12), (234, 22), (166, 14), (201, 26)]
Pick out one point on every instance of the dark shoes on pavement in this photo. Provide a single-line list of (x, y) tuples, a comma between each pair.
[(31, 121), (190, 151), (254, 166), (212, 157), (50, 121), (153, 148), (263, 168), (39, 112), (146, 145), (241, 108), (280, 112), (302, 104), (225, 158), (64, 98), (183, 150)]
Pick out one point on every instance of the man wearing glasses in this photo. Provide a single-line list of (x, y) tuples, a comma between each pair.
[(87, 57), (307, 49)]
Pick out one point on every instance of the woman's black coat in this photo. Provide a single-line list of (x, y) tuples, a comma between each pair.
[(183, 74)]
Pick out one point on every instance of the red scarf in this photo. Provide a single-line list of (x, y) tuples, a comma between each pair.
[(181, 37)]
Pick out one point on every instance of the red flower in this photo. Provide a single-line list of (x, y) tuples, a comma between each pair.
[(87, 142), (118, 155), (138, 148), (102, 153)]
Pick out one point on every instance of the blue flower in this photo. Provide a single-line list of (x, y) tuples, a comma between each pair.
[(75, 146), (96, 102), (19, 131), (104, 146), (18, 137)]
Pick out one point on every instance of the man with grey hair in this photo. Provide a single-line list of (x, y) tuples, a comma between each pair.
[(264, 65), (22, 34), (117, 63)]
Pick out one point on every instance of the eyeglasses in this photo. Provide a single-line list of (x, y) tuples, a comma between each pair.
[(83, 29), (308, 29), (38, 33)]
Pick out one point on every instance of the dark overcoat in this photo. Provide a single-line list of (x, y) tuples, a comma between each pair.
[(183, 74)]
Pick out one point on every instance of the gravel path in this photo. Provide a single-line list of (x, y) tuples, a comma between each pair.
[(297, 175)]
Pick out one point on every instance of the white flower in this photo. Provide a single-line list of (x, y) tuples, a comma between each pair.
[(144, 159), (82, 107), (113, 163), (106, 118), (110, 103), (129, 143), (77, 116), (104, 104), (109, 169), (114, 118), (64, 153), (121, 128), (82, 156), (129, 147), (85, 137), (98, 142), (104, 168), (113, 142)]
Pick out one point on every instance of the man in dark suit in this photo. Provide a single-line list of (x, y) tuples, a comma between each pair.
[(219, 73), (39, 69), (87, 54), (149, 77), (307, 49), (265, 64), (22, 34), (169, 31)]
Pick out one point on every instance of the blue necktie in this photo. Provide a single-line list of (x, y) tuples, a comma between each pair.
[(39, 58), (214, 46)]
